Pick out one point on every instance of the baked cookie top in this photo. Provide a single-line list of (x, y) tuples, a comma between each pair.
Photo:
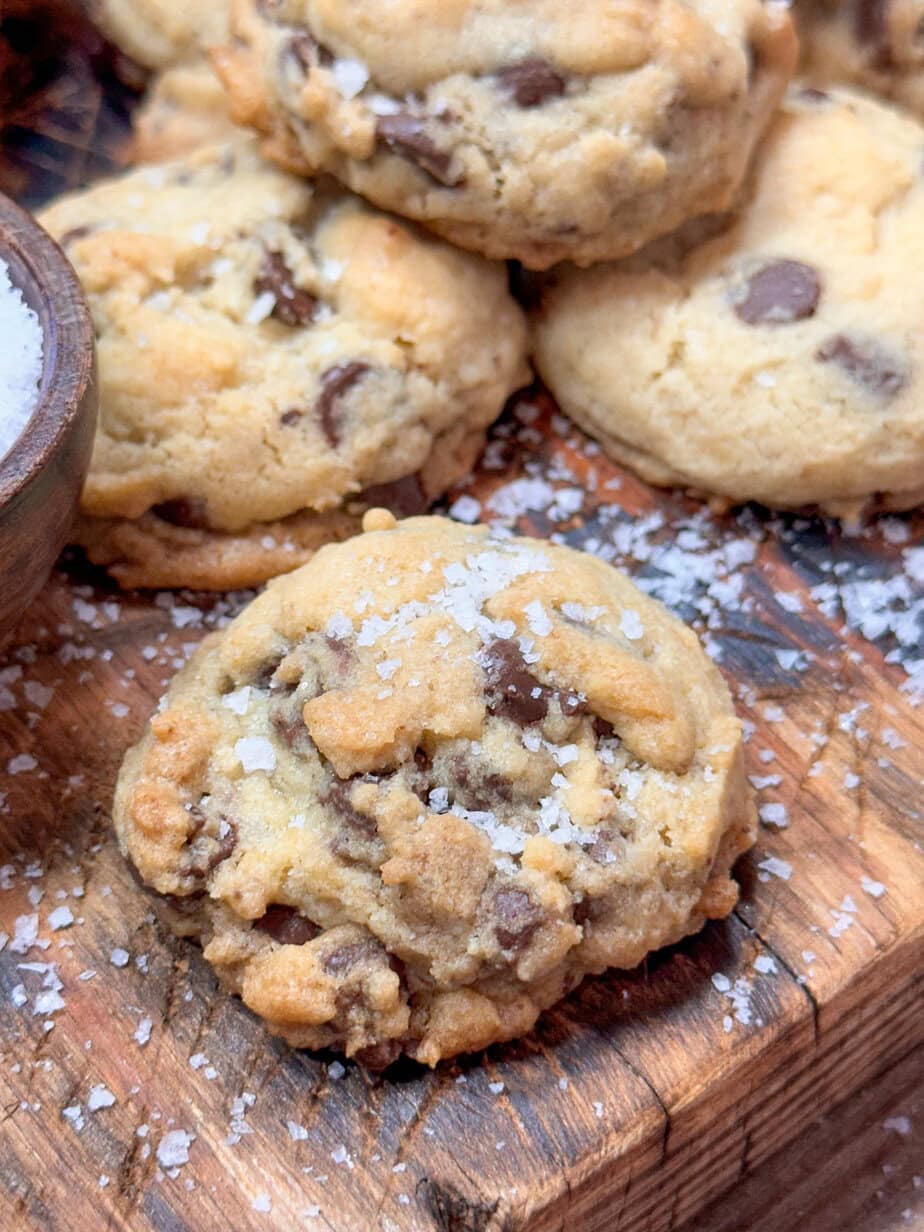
[(542, 130), (421, 786), (266, 347), (162, 33), (878, 44), (782, 360)]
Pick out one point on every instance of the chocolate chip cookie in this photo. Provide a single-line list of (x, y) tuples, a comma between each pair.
[(423, 785), (878, 44), (781, 360), (273, 359), (543, 131), (184, 108), (162, 33)]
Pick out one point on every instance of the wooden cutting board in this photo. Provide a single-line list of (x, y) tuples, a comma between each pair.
[(133, 1095)]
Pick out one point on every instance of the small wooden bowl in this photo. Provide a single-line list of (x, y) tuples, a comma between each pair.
[(42, 475)]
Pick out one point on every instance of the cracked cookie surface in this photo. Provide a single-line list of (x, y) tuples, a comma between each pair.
[(877, 44), (539, 131), (273, 359), (780, 360), (423, 785)]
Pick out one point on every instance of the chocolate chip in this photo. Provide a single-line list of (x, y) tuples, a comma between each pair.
[(779, 293), (378, 1056), (513, 692), (571, 704), (600, 851), (342, 960), (403, 496), (479, 790), (531, 82), (339, 796), (293, 306), (187, 511), (406, 134), (288, 418), (208, 852), (602, 729), (286, 925), (335, 382), (518, 917), (291, 729), (866, 362)]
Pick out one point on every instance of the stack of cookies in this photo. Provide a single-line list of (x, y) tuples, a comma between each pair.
[(431, 778)]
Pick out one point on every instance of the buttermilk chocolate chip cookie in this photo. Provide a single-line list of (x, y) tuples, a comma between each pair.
[(539, 131), (423, 785), (878, 44), (162, 33), (782, 360), (185, 105), (273, 359), (184, 108)]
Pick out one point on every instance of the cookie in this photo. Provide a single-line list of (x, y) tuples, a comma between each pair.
[(423, 785), (877, 44), (184, 108), (274, 357), (544, 131), (782, 360), (162, 33)]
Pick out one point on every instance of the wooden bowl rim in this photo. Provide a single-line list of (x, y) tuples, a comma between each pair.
[(69, 346)]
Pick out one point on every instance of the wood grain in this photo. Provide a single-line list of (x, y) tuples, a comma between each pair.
[(633, 1105), (636, 1102)]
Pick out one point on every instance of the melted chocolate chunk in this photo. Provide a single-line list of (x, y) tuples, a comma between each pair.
[(531, 82), (343, 960), (293, 305), (339, 797), (479, 791), (377, 1057), (571, 704), (779, 293), (187, 511), (335, 382), (513, 692), (291, 730), (866, 362), (286, 925), (290, 417), (402, 496), (406, 134), (518, 918), (214, 851), (599, 851)]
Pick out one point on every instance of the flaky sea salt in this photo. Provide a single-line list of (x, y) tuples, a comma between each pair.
[(173, 1148), (20, 361), (255, 753)]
